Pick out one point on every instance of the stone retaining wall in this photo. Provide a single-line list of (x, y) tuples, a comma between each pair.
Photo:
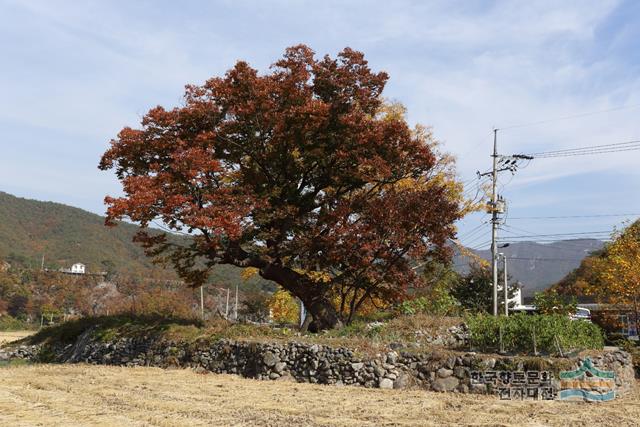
[(303, 362)]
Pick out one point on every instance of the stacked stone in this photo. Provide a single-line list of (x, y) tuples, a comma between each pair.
[(304, 362), (621, 363)]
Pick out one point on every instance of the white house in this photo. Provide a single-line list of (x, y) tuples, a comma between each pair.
[(77, 268)]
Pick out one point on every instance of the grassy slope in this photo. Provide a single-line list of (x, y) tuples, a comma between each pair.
[(357, 336)]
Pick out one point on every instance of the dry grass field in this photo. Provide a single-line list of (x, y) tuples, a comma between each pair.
[(77, 395), (13, 335)]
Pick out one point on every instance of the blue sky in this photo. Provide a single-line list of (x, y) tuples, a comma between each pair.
[(74, 73)]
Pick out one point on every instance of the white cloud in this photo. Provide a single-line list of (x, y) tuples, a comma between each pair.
[(81, 71)]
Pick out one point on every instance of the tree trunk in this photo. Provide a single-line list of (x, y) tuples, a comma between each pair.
[(312, 295), (324, 315), (307, 321), (635, 313)]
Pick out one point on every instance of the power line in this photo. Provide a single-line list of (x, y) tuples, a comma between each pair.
[(474, 231), (533, 234), (475, 240), (556, 240), (477, 188), (589, 150), (590, 147), (575, 216), (573, 116), (543, 259), (480, 246), (558, 234), (589, 153)]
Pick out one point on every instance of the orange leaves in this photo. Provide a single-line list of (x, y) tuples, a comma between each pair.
[(302, 166)]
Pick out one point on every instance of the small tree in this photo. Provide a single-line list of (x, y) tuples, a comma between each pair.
[(474, 290), (551, 302), (283, 307), (255, 306), (436, 296), (17, 306)]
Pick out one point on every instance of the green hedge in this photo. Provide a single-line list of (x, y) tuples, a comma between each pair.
[(518, 333)]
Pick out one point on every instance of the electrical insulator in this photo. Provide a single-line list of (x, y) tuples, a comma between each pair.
[(489, 208)]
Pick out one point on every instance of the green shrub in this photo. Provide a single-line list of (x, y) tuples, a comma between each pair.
[(438, 304), (8, 323), (518, 333), (108, 328), (550, 302)]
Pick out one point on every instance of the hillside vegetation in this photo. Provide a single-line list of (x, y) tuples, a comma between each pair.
[(65, 235), (588, 280), (539, 265)]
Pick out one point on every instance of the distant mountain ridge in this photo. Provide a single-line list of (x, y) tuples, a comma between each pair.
[(65, 235), (538, 266)]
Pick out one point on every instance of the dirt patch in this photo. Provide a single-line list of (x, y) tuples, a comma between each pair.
[(99, 395)]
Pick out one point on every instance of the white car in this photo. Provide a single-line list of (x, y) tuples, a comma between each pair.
[(581, 314)]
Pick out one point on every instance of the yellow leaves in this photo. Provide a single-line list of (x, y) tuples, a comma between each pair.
[(314, 276), (392, 110), (283, 307), (369, 306), (248, 273), (407, 184), (438, 180), (619, 268), (319, 276)]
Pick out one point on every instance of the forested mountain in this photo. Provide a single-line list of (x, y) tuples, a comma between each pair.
[(65, 235), (538, 266)]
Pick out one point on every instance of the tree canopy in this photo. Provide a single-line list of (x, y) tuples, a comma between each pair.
[(474, 291), (303, 173)]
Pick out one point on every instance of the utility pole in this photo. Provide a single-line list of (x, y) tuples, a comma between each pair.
[(494, 222), (226, 310), (42, 263), (506, 286), (235, 310), (303, 313), (497, 205), (202, 301)]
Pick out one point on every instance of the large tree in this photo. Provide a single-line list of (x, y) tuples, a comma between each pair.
[(302, 173), (619, 271)]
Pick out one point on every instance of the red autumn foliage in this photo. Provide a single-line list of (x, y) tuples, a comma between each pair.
[(290, 172)]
